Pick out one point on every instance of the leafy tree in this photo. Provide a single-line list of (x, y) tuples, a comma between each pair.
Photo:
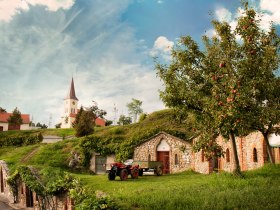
[(109, 122), (15, 119), (124, 120), (58, 125), (2, 110), (134, 108), (226, 85), (42, 126), (85, 120)]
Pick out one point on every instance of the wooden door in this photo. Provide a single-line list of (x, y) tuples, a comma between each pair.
[(1, 180), (29, 197), (1, 128), (100, 164), (164, 157)]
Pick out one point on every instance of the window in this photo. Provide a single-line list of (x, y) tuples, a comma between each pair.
[(227, 156), (176, 160), (255, 155), (202, 155)]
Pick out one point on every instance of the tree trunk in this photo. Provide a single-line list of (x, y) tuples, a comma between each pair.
[(237, 169), (268, 148)]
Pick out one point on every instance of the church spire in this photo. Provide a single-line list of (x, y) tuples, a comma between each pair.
[(72, 94)]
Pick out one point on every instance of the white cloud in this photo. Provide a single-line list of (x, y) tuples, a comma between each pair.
[(40, 50), (223, 14), (9, 8), (162, 47)]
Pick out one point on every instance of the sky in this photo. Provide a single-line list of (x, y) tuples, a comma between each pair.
[(108, 47)]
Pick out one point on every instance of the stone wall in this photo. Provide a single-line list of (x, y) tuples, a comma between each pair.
[(251, 152), (180, 152), (4, 187)]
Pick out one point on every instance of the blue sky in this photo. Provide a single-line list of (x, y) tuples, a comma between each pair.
[(108, 47)]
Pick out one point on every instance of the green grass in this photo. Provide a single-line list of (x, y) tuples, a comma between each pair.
[(260, 189)]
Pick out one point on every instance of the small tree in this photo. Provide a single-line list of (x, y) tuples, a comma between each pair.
[(15, 119), (2, 110), (134, 108), (85, 120), (124, 120)]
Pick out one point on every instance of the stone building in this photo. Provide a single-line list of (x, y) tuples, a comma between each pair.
[(251, 150), (175, 153), (99, 164)]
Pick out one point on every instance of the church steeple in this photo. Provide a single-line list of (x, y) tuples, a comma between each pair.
[(72, 94)]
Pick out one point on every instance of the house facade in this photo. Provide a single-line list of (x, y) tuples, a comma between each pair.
[(70, 105), (251, 150), (4, 124), (175, 153)]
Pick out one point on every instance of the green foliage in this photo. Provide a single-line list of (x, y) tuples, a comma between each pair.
[(20, 140), (230, 87), (124, 120), (134, 108), (15, 118), (142, 117), (120, 140), (2, 110), (85, 120)]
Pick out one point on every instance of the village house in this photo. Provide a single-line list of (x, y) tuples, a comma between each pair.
[(177, 154), (71, 109), (4, 124)]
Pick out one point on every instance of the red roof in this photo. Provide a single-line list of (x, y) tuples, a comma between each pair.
[(5, 116)]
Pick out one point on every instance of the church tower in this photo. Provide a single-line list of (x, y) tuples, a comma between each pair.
[(70, 107)]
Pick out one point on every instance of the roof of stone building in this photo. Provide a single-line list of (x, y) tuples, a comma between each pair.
[(164, 133), (72, 94), (4, 117)]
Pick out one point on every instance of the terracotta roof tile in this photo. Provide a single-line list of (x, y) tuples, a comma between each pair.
[(5, 116)]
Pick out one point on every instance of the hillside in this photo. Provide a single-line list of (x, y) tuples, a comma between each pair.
[(112, 139)]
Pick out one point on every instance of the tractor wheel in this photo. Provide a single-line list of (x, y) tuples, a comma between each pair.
[(111, 175), (159, 170), (123, 174), (135, 173)]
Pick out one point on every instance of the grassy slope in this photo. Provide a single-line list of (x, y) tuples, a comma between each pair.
[(259, 190)]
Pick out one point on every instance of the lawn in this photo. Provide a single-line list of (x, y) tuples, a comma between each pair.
[(259, 189)]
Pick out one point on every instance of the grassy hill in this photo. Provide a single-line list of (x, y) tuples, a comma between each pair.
[(111, 139), (258, 189)]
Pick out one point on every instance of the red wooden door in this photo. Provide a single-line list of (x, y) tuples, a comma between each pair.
[(164, 157)]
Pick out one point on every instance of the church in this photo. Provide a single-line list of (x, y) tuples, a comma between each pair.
[(71, 109)]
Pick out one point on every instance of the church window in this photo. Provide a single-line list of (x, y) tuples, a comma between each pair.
[(255, 155), (227, 156)]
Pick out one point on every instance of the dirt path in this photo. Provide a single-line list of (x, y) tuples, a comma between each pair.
[(28, 156)]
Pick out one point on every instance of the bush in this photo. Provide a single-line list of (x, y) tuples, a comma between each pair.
[(21, 140)]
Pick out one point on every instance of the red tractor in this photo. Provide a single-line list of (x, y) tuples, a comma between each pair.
[(123, 170)]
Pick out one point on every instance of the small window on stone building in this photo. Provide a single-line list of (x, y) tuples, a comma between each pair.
[(176, 160), (227, 156), (202, 155), (255, 155), (149, 157)]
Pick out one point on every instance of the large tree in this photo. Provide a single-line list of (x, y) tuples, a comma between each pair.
[(15, 119), (2, 110), (226, 84), (85, 120), (134, 108), (124, 120)]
